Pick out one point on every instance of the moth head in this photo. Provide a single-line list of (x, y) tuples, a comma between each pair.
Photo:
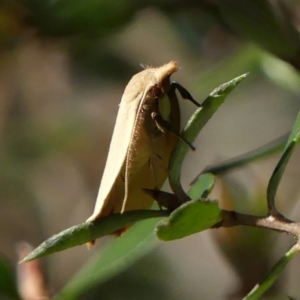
[(164, 72), (162, 79)]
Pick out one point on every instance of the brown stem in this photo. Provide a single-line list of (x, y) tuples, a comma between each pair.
[(277, 223)]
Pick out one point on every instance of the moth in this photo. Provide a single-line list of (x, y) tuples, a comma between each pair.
[(145, 133)]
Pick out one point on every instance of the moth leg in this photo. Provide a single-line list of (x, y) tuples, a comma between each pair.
[(185, 94), (164, 126)]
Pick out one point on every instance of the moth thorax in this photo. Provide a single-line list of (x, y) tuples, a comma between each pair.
[(155, 91)]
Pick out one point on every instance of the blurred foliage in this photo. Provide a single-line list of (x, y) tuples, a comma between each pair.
[(117, 256), (64, 18), (8, 286), (59, 59), (247, 249), (139, 281)]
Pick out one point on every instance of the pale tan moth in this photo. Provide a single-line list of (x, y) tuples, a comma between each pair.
[(145, 133)]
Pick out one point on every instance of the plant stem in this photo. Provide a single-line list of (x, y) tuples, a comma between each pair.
[(277, 222)]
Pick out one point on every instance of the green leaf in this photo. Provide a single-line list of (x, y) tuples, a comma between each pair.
[(241, 160), (292, 142), (86, 232), (113, 259), (192, 217), (272, 275), (8, 285), (202, 186), (194, 126)]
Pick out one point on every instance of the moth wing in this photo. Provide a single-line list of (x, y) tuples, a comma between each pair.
[(111, 191), (155, 154), (117, 153)]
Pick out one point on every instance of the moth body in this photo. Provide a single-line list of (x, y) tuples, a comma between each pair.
[(139, 151)]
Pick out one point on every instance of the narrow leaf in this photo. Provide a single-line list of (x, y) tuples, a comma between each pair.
[(189, 218), (292, 142), (86, 232), (194, 126), (272, 275)]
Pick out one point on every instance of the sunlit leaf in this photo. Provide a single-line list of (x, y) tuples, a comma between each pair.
[(192, 217), (86, 232)]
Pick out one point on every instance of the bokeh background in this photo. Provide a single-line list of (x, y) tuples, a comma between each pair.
[(63, 68)]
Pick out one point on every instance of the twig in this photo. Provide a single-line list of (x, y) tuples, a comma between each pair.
[(277, 223)]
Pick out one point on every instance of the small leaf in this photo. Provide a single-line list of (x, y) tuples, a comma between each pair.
[(273, 274), (111, 260), (292, 142), (194, 126), (191, 217), (202, 186), (86, 232)]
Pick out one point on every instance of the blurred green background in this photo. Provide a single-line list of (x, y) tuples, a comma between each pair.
[(63, 68)]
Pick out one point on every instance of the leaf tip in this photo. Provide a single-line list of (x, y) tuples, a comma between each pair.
[(243, 76), (26, 259)]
